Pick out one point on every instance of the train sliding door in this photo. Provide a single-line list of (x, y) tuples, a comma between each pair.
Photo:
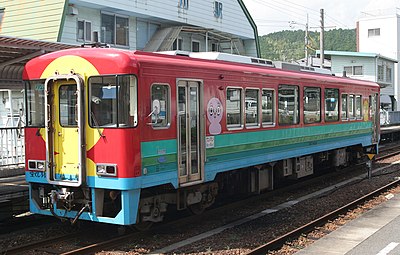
[(190, 133), (65, 144)]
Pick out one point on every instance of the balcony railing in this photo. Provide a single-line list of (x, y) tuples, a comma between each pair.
[(12, 151)]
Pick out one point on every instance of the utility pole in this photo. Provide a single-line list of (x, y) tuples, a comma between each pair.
[(306, 42), (321, 41), (292, 25)]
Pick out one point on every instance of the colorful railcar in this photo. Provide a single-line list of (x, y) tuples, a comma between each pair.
[(119, 137)]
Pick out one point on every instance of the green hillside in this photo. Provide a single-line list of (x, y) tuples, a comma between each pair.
[(289, 45)]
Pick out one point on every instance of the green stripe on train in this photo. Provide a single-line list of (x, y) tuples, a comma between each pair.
[(233, 143), (165, 151)]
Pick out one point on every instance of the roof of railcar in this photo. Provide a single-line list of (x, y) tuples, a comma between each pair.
[(120, 61)]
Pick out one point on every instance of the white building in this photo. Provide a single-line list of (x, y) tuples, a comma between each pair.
[(366, 66), (378, 31)]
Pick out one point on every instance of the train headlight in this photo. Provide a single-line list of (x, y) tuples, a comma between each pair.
[(36, 165), (106, 169)]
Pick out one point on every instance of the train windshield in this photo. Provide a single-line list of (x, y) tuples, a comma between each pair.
[(113, 101), (35, 103)]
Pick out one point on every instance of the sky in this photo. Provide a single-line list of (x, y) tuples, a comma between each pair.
[(275, 15)]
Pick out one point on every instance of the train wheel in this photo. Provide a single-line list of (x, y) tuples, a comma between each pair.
[(197, 209)]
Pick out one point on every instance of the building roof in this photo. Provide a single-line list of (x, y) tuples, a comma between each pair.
[(15, 52), (356, 54)]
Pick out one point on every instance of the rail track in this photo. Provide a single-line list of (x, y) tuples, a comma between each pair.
[(111, 242), (280, 241)]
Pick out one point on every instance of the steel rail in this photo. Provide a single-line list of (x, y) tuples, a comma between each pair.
[(280, 241)]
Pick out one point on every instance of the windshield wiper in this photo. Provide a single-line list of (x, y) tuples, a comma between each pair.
[(96, 124)]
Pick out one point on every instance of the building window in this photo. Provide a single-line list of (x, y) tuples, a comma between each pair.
[(184, 4), (358, 70), (144, 32), (268, 103), (374, 32), (380, 72), (353, 70), (214, 47), (251, 107), (160, 96), (195, 46), (312, 105), (114, 29), (331, 105), (288, 105), (388, 74), (217, 9), (177, 45), (348, 70), (234, 107), (84, 31)]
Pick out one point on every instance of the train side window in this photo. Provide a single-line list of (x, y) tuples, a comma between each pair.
[(234, 108), (344, 111), (160, 94), (358, 107), (331, 105), (268, 105), (251, 107), (35, 103), (288, 105), (351, 107), (312, 105)]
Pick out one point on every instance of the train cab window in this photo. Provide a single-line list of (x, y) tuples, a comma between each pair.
[(288, 105), (267, 106), (358, 106), (160, 101), (113, 101), (234, 108), (35, 103), (331, 105), (351, 107), (312, 105), (344, 113), (251, 107)]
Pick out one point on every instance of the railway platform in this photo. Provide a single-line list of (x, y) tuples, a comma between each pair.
[(375, 232)]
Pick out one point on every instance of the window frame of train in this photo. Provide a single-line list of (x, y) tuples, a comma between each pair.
[(265, 103), (358, 107), (344, 103), (247, 105), (294, 118), (35, 103), (351, 106), (306, 102), (229, 124), (333, 94), (163, 96), (123, 104)]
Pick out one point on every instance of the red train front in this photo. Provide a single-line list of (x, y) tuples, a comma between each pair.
[(81, 134)]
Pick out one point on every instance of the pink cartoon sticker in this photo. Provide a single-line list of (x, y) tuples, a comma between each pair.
[(214, 115)]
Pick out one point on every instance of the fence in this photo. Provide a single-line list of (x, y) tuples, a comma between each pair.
[(12, 152)]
